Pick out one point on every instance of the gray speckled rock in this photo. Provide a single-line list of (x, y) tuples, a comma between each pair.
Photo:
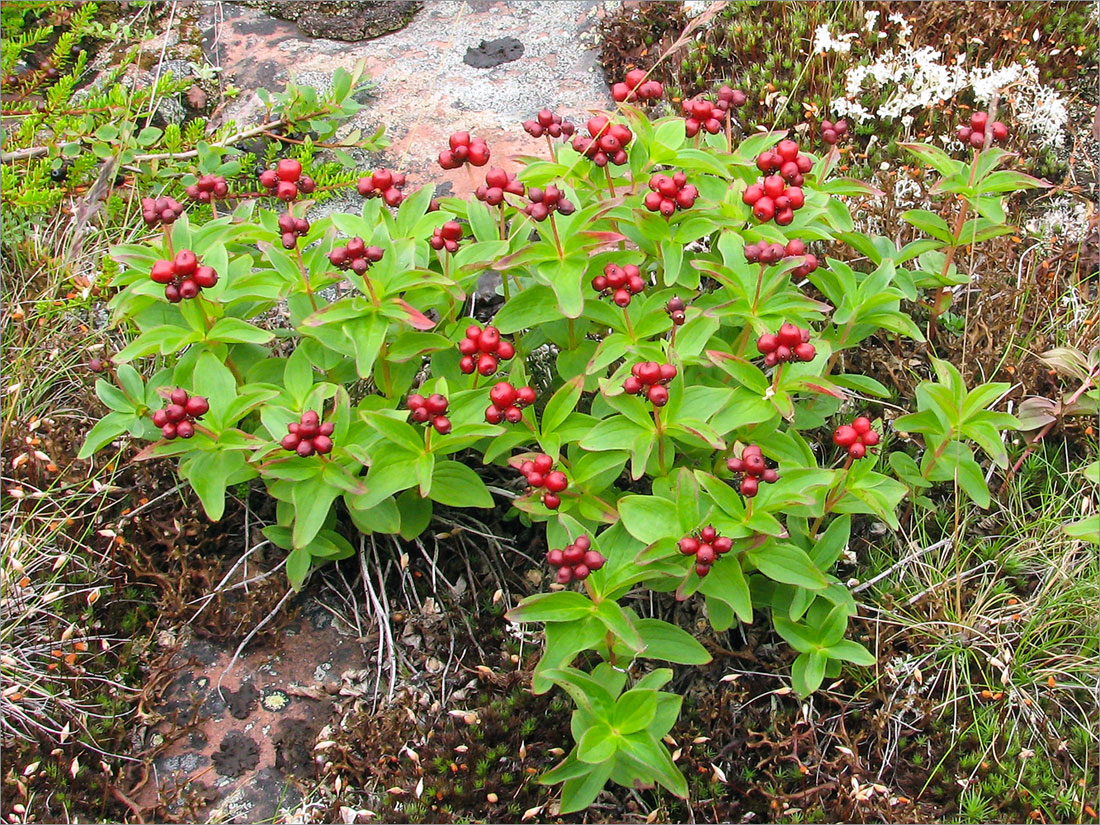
[(355, 20)]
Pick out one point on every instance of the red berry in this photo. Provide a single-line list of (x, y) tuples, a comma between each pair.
[(160, 418), (870, 439), (722, 545), (420, 415), (304, 448), (594, 560), (442, 425), (552, 502), (857, 451), (805, 352), (749, 487), (754, 463), (163, 272), (764, 209), (289, 170), (322, 444), (555, 558), (862, 425), (196, 406), (556, 481), (789, 335), (1000, 131), (845, 436), (175, 412), (436, 404), (206, 277), (268, 179), (766, 343), (493, 415), (689, 546), (503, 394), (525, 396), (581, 571), (513, 415), (179, 396), (705, 555), (505, 349), (543, 463), (286, 191), (486, 364), (168, 430), (702, 570), (978, 120), (658, 395)]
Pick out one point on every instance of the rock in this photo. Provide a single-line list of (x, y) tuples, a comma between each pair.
[(491, 54), (360, 20)]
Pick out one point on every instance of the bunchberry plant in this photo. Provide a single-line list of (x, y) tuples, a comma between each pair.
[(695, 435)]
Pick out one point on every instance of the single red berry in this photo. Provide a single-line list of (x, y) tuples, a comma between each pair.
[(503, 394), (322, 444), (689, 546), (555, 558), (289, 170), (493, 414), (525, 396), (543, 463), (658, 395), (442, 425), (845, 436), (436, 404), (862, 425), (857, 451), (196, 406), (556, 481), (552, 502), (749, 487), (487, 364), (705, 555)]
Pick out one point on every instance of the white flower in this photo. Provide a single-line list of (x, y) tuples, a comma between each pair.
[(825, 42), (870, 20), (693, 8)]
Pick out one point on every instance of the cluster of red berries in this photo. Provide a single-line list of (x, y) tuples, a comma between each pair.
[(769, 253), (208, 188), (856, 437), (540, 474), (464, 149), (621, 282), (292, 228), (286, 180), (182, 276), (728, 97), (650, 378), (497, 182), (636, 87), (606, 143), (974, 134), (789, 344), (308, 435), (177, 419), (670, 194), (545, 201), (707, 546), (446, 237), (356, 256), (384, 184), (489, 348), (772, 198), (507, 403), (702, 114), (575, 561), (160, 210), (432, 408), (548, 123), (675, 309), (833, 132), (753, 470)]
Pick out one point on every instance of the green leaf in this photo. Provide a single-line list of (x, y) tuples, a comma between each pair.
[(106, 430), (456, 485), (649, 518), (670, 643), (312, 501), (534, 306), (579, 793), (726, 583), (615, 619), (561, 404), (298, 564), (789, 565), (850, 651), (236, 331), (399, 432), (652, 754), (634, 711), (597, 744), (807, 672), (559, 606)]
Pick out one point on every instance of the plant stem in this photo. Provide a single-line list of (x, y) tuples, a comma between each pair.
[(832, 498), (660, 440), (557, 238), (168, 240), (553, 151), (610, 182), (630, 325), (305, 278)]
